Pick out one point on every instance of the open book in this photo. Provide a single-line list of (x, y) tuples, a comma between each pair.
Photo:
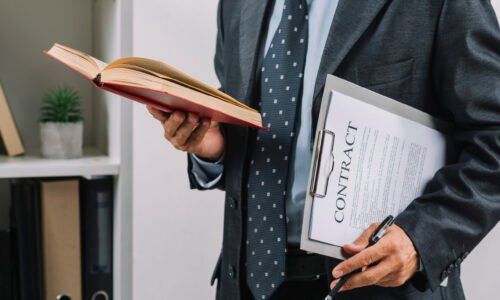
[(159, 85)]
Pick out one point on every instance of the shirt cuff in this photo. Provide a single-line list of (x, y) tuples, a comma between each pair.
[(206, 173)]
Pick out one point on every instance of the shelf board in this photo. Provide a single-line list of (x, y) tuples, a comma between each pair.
[(93, 163)]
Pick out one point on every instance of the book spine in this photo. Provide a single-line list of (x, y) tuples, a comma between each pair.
[(8, 130)]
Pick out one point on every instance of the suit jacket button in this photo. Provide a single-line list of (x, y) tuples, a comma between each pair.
[(232, 203), (231, 272)]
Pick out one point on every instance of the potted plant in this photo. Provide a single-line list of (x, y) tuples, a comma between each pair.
[(61, 124)]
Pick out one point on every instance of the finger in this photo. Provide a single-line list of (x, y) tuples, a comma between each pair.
[(157, 114), (213, 124), (173, 123), (356, 247), (371, 276), (198, 134), (334, 283), (364, 258), (361, 242), (185, 130), (352, 249), (364, 238)]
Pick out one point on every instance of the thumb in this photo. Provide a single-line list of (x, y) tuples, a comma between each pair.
[(361, 242)]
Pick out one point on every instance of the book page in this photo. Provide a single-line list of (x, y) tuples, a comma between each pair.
[(85, 64), (100, 65), (381, 162), (161, 91), (164, 71)]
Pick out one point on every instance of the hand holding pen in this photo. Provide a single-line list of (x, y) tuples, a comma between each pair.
[(379, 232)]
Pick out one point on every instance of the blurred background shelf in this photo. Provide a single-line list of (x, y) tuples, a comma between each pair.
[(102, 28), (93, 163)]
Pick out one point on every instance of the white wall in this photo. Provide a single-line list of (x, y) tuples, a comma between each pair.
[(177, 232), (37, 26)]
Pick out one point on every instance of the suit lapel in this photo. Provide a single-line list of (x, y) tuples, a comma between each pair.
[(251, 21), (351, 20)]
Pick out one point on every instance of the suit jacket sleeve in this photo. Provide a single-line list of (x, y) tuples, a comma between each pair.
[(219, 70), (462, 202)]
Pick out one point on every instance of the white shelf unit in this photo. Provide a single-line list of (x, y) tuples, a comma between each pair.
[(103, 29), (93, 163)]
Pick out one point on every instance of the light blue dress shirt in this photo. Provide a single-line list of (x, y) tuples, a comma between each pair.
[(321, 13)]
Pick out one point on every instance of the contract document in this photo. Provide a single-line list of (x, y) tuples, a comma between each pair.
[(373, 156)]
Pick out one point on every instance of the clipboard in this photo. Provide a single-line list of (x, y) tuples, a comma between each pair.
[(306, 243), (323, 159)]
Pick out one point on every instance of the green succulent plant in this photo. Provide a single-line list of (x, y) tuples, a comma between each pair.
[(61, 105)]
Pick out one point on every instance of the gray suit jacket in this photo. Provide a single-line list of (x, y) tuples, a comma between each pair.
[(439, 56)]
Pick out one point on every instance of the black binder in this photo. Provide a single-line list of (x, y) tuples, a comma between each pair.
[(26, 227), (5, 266), (97, 238)]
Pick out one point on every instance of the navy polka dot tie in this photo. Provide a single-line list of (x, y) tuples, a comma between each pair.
[(281, 86)]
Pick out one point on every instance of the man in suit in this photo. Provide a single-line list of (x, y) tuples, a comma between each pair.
[(439, 56)]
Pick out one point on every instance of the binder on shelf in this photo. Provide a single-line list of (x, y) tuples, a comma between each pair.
[(26, 233), (372, 156), (61, 239), (6, 266), (14, 261), (97, 238), (8, 130)]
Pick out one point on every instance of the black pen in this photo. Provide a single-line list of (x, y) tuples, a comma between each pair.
[(375, 237)]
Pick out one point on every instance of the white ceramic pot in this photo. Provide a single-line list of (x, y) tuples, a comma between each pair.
[(61, 140)]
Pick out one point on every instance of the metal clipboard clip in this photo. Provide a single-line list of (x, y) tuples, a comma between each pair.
[(319, 159)]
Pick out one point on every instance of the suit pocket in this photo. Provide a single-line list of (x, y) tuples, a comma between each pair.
[(382, 74)]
